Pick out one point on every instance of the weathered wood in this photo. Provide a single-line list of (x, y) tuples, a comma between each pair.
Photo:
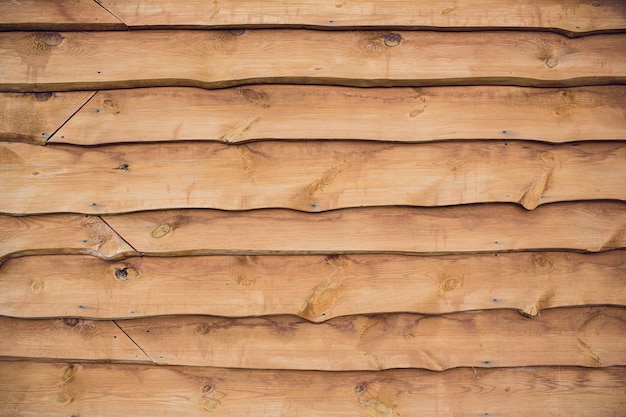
[(573, 16), (590, 226), (58, 389), (320, 112), (314, 287), (213, 58), (59, 234), (34, 118), (56, 15), (581, 336), (307, 176), (67, 339)]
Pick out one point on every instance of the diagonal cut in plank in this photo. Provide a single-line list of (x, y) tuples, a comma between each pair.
[(307, 176), (322, 112), (314, 287), (35, 117), (570, 17), (114, 389), (213, 58), (56, 15), (67, 339), (59, 234)]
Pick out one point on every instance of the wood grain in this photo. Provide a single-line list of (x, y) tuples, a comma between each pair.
[(306, 176), (589, 226), (66, 339), (59, 389), (320, 112), (59, 234), (34, 118), (214, 58), (314, 287), (56, 15), (573, 16)]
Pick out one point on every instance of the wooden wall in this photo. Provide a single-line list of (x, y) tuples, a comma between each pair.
[(346, 208)]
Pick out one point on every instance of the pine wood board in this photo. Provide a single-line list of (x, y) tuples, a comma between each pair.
[(215, 58), (316, 288), (59, 234), (67, 339), (307, 176), (56, 15), (570, 17), (35, 117), (59, 389), (587, 226), (321, 112)]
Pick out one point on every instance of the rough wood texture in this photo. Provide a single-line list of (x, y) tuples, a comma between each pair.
[(314, 287), (34, 118), (307, 176), (583, 337), (103, 389), (58, 234), (67, 339), (91, 60), (320, 112), (593, 226), (572, 16), (56, 15)]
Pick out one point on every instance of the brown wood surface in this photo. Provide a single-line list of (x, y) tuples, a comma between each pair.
[(56, 15), (35, 117), (60, 389), (589, 226), (320, 112), (66, 339), (308, 176), (314, 287), (214, 58), (571, 16), (58, 234)]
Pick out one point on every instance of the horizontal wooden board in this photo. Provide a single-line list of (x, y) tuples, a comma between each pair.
[(56, 15), (589, 226), (572, 16), (314, 287), (322, 112), (57, 234), (35, 117), (308, 176), (66, 339), (581, 336), (216, 58), (59, 389)]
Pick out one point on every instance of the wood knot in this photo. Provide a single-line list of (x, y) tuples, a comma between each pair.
[(360, 388), (203, 329), (237, 32), (63, 398), (124, 167), (393, 39), (542, 263), (67, 374), (161, 230), (37, 286), (71, 322), (449, 284), (43, 96), (208, 388), (127, 273), (552, 62), (111, 106), (210, 404), (52, 38)]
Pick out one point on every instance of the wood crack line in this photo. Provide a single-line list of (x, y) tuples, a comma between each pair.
[(99, 3), (135, 343), (119, 235)]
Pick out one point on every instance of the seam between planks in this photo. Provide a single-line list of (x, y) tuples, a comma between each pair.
[(111, 13), (135, 343), (119, 235), (70, 117)]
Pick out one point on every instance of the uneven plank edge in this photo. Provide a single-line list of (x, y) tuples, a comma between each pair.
[(321, 112), (62, 389), (35, 61), (308, 176), (314, 287), (590, 337)]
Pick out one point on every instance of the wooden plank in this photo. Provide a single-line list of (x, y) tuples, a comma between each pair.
[(590, 226), (214, 58), (56, 15), (320, 112), (57, 389), (67, 339), (34, 118), (58, 234), (307, 176), (314, 287), (582, 336), (572, 16)]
